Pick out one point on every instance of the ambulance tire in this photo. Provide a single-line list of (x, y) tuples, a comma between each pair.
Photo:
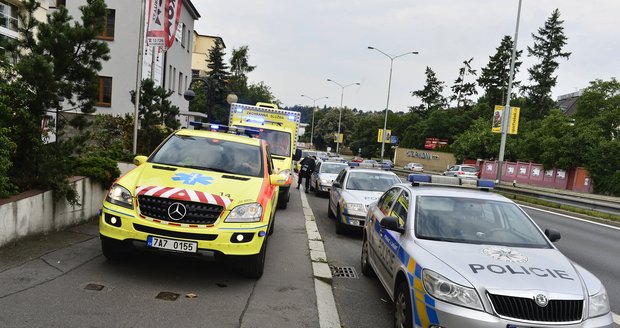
[(283, 199), (113, 249), (255, 264), (403, 313)]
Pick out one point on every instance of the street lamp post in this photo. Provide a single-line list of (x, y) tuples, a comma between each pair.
[(313, 110), (340, 114), (387, 106), (507, 110)]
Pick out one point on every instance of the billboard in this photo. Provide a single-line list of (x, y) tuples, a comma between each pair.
[(498, 115), (163, 21), (388, 136), (433, 143)]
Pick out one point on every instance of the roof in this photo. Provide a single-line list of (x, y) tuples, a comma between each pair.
[(192, 10), (454, 191), (220, 135), (211, 36), (568, 103)]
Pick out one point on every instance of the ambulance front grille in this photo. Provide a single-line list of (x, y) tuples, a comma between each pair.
[(527, 309), (196, 213)]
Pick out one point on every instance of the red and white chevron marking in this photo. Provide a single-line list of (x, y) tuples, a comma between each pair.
[(183, 194)]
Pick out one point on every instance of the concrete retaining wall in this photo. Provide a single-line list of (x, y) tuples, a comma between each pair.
[(38, 214)]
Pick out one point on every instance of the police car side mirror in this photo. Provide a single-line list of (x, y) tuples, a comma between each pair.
[(336, 185), (553, 235), (297, 155), (391, 223), (139, 160)]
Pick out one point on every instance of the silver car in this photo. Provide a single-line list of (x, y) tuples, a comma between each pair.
[(450, 256), (463, 171), (353, 191), (323, 176)]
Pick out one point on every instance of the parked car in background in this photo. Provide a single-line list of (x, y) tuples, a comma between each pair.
[(387, 164), (463, 171), (357, 159), (353, 191), (324, 174), (415, 167), (368, 164)]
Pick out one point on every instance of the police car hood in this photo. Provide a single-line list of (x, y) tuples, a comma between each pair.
[(362, 196), (503, 269), (237, 189)]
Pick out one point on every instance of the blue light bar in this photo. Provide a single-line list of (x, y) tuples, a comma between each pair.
[(238, 109), (291, 117), (424, 178), (352, 164), (486, 184), (215, 126)]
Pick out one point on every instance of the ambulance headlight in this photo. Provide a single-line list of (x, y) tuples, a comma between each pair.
[(599, 303), (119, 195), (245, 213), (445, 290)]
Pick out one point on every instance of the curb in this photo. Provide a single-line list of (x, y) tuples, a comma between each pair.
[(325, 302)]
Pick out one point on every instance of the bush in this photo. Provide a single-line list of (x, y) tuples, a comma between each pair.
[(7, 147), (99, 168)]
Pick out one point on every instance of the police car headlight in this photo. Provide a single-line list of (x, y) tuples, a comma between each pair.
[(443, 289), (599, 303), (119, 195), (355, 209), (324, 181), (245, 213)]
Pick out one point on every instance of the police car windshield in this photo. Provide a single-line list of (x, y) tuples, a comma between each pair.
[(279, 142), (210, 154), (371, 181), (475, 221), (330, 168)]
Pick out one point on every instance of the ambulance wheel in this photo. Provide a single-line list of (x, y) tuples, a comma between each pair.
[(255, 264), (113, 249), (402, 306), (366, 267)]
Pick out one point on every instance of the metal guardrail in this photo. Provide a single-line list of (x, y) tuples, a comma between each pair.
[(587, 201)]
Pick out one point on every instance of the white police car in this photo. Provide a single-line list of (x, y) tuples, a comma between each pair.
[(461, 257), (352, 192), (324, 174)]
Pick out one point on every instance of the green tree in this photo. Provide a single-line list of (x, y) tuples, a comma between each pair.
[(462, 90), (240, 67), (60, 57), (156, 113), (217, 87), (548, 45), (494, 77), (600, 104), (477, 142), (430, 95), (260, 92), (326, 129), (365, 133)]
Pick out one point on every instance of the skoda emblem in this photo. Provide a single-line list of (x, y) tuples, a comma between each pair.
[(176, 211), (541, 300)]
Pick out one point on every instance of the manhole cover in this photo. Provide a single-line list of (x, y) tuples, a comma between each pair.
[(167, 296), (343, 272), (95, 287)]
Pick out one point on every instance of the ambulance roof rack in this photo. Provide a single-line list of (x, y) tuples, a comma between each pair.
[(438, 180)]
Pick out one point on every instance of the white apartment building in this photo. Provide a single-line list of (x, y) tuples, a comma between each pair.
[(171, 69)]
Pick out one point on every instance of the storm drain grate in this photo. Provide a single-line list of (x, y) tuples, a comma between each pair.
[(95, 287), (343, 272)]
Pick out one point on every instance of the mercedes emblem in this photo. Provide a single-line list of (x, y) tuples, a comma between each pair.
[(176, 211), (541, 300)]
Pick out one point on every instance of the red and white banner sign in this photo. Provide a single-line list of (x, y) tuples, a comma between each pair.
[(163, 21)]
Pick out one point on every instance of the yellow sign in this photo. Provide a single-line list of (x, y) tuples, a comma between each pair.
[(514, 120), (496, 127), (388, 136), (341, 137), (498, 114)]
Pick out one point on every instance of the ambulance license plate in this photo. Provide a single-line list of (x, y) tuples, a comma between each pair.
[(171, 244)]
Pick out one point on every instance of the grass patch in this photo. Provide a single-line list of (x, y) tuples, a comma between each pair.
[(536, 201)]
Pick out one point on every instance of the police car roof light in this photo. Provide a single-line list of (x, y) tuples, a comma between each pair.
[(490, 184), (417, 178)]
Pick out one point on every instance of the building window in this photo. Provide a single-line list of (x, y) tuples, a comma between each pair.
[(105, 91), (8, 16), (195, 73), (57, 3), (108, 29), (180, 88)]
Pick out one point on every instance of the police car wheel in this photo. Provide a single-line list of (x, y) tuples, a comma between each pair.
[(330, 214), (255, 264), (366, 267), (339, 224), (113, 249), (402, 306)]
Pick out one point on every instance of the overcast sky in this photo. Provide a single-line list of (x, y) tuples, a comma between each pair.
[(297, 45)]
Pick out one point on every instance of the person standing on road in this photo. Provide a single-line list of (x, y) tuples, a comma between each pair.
[(307, 167)]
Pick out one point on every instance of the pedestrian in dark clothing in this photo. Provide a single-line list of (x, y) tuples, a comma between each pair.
[(307, 167)]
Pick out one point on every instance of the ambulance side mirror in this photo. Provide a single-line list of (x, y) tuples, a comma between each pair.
[(297, 155), (139, 160)]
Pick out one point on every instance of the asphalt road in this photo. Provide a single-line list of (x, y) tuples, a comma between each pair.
[(46, 281)]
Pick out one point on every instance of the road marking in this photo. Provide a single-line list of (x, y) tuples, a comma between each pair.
[(616, 318), (325, 301), (571, 217)]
